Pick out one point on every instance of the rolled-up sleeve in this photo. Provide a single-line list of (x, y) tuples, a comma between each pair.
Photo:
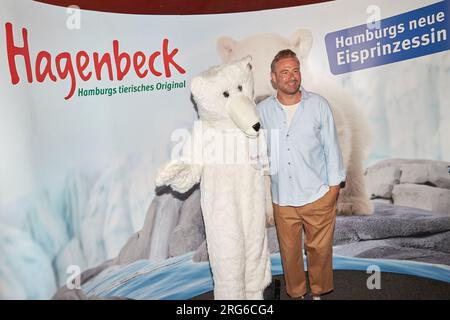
[(330, 142)]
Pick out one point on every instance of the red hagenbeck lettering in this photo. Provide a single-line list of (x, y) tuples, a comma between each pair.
[(81, 66), (63, 63)]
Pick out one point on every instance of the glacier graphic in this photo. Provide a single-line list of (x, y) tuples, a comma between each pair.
[(84, 224)]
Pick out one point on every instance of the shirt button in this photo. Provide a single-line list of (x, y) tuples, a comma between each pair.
[(290, 177), (287, 136), (289, 163), (289, 149)]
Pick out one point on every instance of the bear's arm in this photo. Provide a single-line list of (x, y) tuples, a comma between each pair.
[(182, 173)]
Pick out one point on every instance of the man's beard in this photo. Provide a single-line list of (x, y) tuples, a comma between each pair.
[(290, 90)]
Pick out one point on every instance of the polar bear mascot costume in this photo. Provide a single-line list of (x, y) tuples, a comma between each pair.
[(222, 154)]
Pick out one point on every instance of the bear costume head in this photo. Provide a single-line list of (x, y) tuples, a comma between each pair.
[(224, 97)]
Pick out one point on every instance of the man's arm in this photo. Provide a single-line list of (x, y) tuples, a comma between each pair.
[(332, 151)]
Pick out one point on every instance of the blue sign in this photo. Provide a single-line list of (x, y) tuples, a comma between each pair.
[(408, 35)]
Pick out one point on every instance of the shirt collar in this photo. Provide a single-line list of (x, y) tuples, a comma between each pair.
[(305, 96)]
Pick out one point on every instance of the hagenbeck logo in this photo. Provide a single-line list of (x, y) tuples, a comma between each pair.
[(62, 66)]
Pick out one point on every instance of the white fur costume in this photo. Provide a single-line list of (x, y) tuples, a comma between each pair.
[(218, 154)]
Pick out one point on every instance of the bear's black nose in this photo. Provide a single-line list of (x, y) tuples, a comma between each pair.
[(256, 127)]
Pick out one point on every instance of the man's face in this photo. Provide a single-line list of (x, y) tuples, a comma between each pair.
[(286, 76)]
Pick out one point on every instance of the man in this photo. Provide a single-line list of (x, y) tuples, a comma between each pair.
[(305, 173)]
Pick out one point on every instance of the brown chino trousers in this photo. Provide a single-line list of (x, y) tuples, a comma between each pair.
[(317, 219)]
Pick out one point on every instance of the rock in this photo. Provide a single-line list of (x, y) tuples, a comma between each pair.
[(380, 181), (389, 221), (185, 239), (431, 249), (437, 242), (128, 253), (380, 200), (422, 196), (201, 254), (393, 174), (147, 244), (189, 234), (92, 272), (401, 253), (354, 249), (431, 173), (191, 212)]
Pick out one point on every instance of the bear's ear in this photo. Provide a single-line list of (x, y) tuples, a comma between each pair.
[(225, 48), (197, 85), (301, 42), (245, 62)]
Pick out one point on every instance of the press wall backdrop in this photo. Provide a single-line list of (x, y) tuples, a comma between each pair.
[(89, 102)]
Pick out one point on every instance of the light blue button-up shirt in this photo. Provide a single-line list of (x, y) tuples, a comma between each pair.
[(305, 158)]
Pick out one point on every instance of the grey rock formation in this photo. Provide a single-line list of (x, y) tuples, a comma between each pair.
[(201, 254), (434, 173), (189, 234), (381, 181), (91, 273), (390, 221), (148, 243), (402, 253), (423, 184), (380, 200), (422, 197), (395, 232)]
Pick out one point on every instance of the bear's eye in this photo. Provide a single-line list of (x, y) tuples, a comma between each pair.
[(226, 94), (240, 87)]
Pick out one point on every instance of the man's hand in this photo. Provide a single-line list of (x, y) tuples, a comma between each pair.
[(335, 191)]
